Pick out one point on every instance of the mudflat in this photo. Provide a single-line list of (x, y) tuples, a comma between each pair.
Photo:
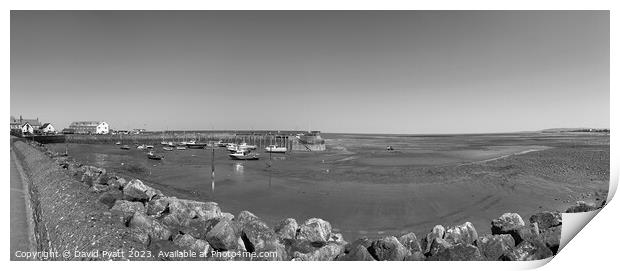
[(365, 190)]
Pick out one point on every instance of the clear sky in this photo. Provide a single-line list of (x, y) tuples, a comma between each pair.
[(335, 71)]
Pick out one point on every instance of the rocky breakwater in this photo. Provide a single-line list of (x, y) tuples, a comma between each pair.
[(164, 224)]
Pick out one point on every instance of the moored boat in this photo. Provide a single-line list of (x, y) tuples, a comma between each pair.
[(154, 156), (181, 148), (196, 145), (168, 148), (243, 155), (117, 143), (125, 147), (141, 147), (275, 149)]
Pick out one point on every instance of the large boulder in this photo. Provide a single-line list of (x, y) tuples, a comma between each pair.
[(222, 236), (415, 256), (157, 206), (137, 236), (437, 232), (153, 228), (193, 244), (492, 247), (315, 230), (180, 212), (135, 190), (388, 249), (551, 238), (204, 210), (118, 183), (581, 206), (196, 228), (126, 209), (546, 220), (457, 252), (327, 252), (436, 245), (257, 236), (93, 175), (99, 188), (465, 233), (286, 229), (110, 197), (299, 245), (411, 243), (356, 253), (244, 217), (506, 223), (528, 251)]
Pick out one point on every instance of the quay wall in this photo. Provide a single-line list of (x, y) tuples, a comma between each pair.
[(84, 208)]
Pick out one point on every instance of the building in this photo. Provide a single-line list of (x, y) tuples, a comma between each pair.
[(47, 128), (27, 126), (90, 127)]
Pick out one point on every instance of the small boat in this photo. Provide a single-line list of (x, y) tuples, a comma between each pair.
[(244, 145), (232, 147), (168, 148), (149, 146), (389, 148), (275, 149), (141, 147), (170, 144), (117, 143), (181, 148), (221, 144), (243, 155), (125, 147), (195, 145), (154, 156), (165, 143)]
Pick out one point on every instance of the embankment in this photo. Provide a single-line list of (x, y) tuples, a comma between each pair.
[(84, 208)]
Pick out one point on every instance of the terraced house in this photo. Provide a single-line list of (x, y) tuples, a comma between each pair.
[(90, 127)]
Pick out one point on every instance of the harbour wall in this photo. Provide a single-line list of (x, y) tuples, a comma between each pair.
[(261, 140), (84, 208)]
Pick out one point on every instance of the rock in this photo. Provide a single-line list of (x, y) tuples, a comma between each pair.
[(551, 238), (257, 236), (327, 252), (227, 216), (415, 256), (528, 251), (193, 244), (337, 238), (581, 206), (127, 208), (506, 223), (410, 242), (492, 247), (117, 182), (387, 249), (315, 230), (99, 188), (286, 229), (157, 206), (436, 245), (204, 210), (457, 252), (197, 228), (110, 197), (137, 236), (102, 177), (546, 220), (135, 190), (357, 253), (299, 245), (222, 236), (244, 217), (437, 232), (465, 233), (153, 228)]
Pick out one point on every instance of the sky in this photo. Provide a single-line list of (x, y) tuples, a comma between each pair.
[(411, 72)]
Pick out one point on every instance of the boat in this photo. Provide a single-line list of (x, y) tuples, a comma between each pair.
[(181, 148), (243, 155), (221, 144), (141, 147), (149, 146), (154, 156), (165, 143), (168, 148), (170, 144), (125, 147), (275, 149), (195, 145), (244, 145), (232, 147), (389, 148), (117, 143)]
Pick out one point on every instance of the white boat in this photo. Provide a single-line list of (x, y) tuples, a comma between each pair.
[(243, 155), (141, 147), (118, 143), (168, 148), (244, 145), (275, 149), (165, 143), (232, 147)]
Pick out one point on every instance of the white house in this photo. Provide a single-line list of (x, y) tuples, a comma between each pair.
[(47, 128), (90, 127), (27, 128)]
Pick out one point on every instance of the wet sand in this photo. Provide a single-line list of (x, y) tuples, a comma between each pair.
[(362, 189)]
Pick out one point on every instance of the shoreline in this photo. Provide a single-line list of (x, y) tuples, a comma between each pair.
[(311, 240)]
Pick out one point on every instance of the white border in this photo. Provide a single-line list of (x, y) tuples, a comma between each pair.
[(594, 247)]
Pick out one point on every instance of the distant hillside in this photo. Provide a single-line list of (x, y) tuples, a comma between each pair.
[(563, 130)]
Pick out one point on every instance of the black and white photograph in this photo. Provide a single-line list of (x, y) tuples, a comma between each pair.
[(305, 135)]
